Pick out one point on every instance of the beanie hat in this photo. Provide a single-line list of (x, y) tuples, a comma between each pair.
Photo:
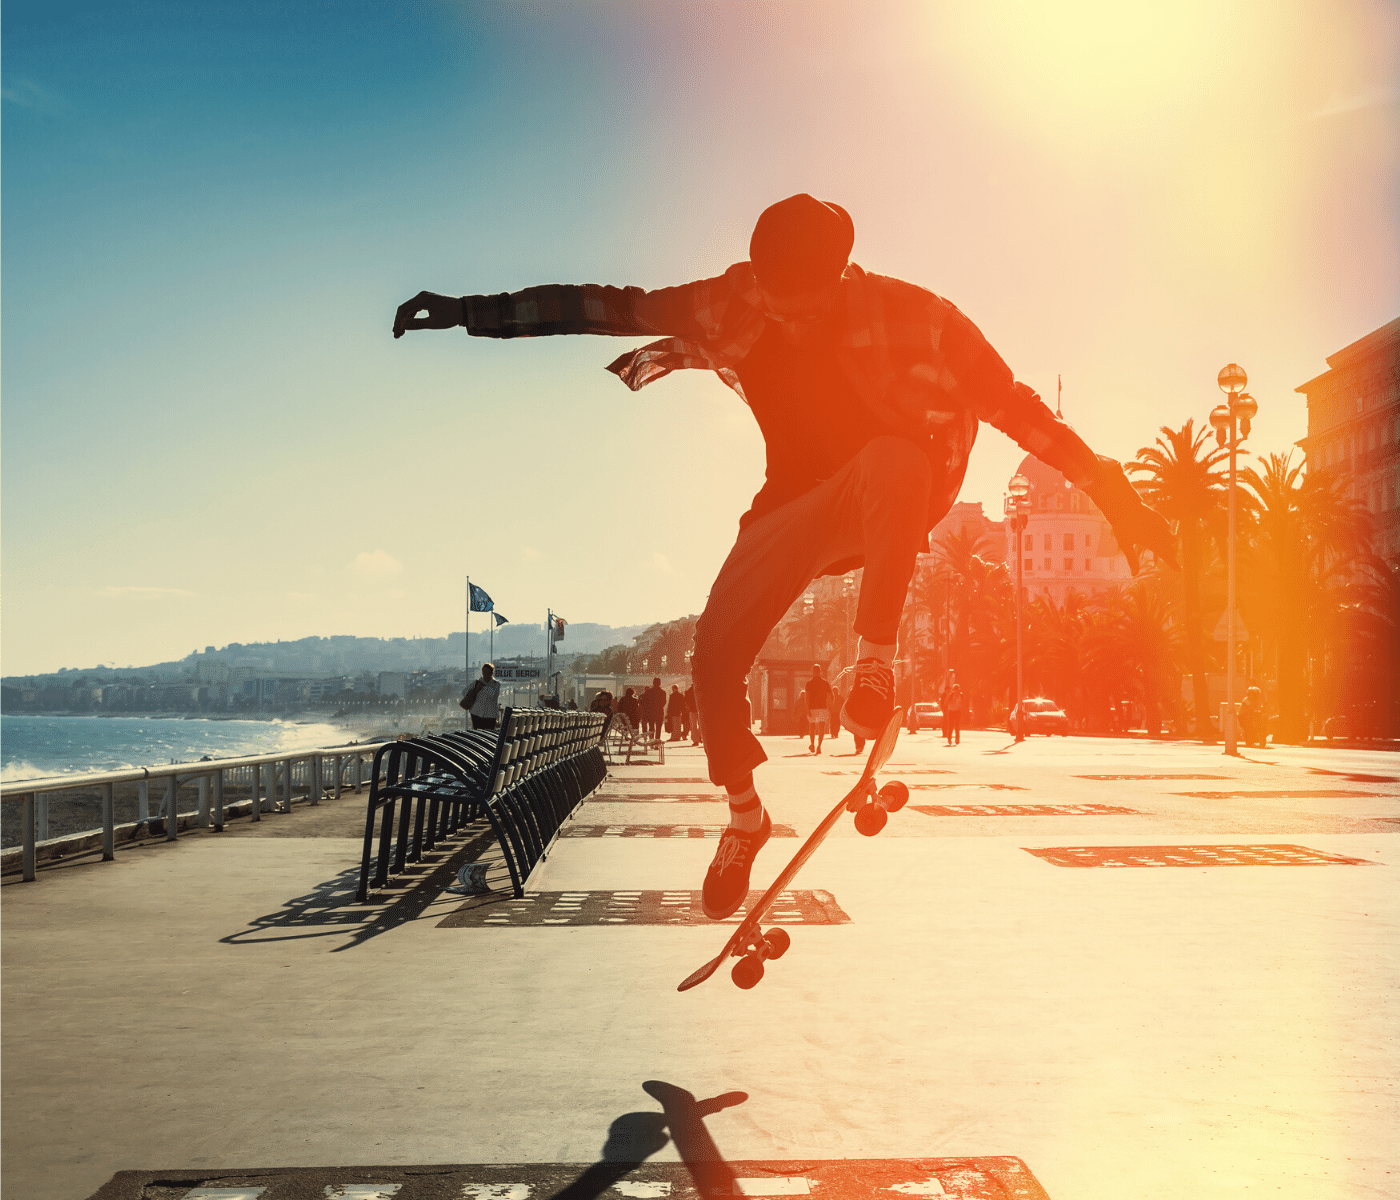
[(801, 244)]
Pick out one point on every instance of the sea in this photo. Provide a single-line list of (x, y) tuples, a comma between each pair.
[(42, 747)]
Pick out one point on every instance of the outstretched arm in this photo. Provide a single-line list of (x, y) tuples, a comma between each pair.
[(1017, 411), (558, 308)]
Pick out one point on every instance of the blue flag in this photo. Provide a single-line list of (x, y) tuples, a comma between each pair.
[(481, 602), (500, 620)]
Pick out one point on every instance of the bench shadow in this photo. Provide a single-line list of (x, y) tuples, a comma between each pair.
[(636, 1136), (331, 910)]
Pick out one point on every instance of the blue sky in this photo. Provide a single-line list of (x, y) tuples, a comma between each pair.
[(211, 211)]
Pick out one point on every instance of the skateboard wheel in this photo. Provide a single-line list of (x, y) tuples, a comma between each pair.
[(871, 819), (776, 943), (747, 971), (894, 796)]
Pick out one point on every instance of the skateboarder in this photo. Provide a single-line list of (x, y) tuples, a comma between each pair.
[(868, 392)]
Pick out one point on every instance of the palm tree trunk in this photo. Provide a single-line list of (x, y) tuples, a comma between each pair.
[(1195, 656)]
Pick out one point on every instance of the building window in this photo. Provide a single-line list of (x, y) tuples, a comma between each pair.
[(1088, 540), (1069, 564), (1047, 561), (1030, 564), (1047, 546), (1030, 542), (1069, 541), (1088, 564)]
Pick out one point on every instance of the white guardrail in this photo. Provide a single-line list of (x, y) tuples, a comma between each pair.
[(263, 781)]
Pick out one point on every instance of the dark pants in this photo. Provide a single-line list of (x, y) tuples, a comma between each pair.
[(875, 506), (483, 722), (952, 725)]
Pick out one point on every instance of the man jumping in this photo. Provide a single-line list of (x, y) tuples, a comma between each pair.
[(868, 392)]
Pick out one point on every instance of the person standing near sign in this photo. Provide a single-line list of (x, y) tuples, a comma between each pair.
[(482, 700)]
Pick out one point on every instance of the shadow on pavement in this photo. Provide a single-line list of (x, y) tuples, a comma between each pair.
[(330, 908), (636, 1136)]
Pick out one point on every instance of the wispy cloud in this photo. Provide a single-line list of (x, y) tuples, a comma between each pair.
[(529, 553), (142, 593), (1386, 94), (378, 564), (28, 94)]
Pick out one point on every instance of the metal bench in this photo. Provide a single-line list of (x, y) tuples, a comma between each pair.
[(526, 778)]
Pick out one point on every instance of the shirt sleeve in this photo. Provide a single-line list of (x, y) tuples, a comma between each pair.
[(1014, 408), (560, 308)]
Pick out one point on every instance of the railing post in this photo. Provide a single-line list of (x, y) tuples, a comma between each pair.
[(42, 800), (289, 784), (202, 820), (172, 794), (257, 791), (336, 772), (143, 800), (109, 849), (219, 801), (27, 816), (315, 780), (359, 762)]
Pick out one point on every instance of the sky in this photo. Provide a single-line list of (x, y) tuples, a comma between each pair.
[(211, 211)]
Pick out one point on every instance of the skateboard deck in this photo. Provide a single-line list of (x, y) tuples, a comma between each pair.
[(748, 943)]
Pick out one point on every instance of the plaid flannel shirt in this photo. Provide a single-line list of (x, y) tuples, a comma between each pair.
[(893, 337)]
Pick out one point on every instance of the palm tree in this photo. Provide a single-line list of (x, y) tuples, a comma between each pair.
[(1139, 639), (1183, 482), (1303, 537), (982, 601)]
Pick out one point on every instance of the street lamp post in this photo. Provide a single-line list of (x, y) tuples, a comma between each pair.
[(1231, 423), (1017, 507), (809, 604)]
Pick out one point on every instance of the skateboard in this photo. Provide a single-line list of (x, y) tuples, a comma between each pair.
[(749, 944)]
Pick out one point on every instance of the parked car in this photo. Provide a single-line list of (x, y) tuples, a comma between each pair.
[(1041, 716), (925, 715)]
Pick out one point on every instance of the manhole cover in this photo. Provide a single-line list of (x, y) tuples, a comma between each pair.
[(797, 907), (1192, 856), (1020, 810), (660, 831)]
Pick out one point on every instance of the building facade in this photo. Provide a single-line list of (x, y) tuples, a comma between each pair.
[(1067, 544), (1354, 427)]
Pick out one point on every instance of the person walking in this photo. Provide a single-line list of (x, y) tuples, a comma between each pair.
[(818, 710), (691, 720), (951, 700), (482, 701), (653, 708), (675, 713), (868, 392)]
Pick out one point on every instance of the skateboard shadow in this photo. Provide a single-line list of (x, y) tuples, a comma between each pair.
[(636, 1136)]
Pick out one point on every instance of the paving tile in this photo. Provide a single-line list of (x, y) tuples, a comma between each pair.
[(800, 906), (1193, 856), (990, 1177)]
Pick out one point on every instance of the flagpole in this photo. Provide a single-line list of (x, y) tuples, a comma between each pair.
[(467, 653)]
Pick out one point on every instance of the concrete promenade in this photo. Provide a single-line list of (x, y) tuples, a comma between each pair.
[(1188, 993)]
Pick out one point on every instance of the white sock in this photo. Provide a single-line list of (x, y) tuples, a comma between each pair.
[(870, 649), (746, 810)]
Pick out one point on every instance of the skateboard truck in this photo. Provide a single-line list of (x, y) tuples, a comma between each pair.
[(749, 943), (873, 808), (749, 969)]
